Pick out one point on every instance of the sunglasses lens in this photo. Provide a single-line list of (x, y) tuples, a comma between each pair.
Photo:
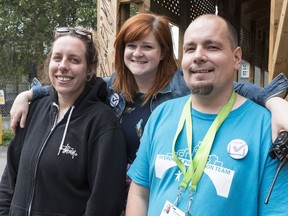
[(63, 29), (77, 31), (81, 32)]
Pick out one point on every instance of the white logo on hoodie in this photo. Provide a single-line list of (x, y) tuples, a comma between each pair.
[(68, 150)]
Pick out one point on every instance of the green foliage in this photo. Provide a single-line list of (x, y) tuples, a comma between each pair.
[(7, 136), (26, 30), (133, 10)]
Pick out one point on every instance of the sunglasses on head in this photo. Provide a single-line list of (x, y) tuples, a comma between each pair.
[(81, 32)]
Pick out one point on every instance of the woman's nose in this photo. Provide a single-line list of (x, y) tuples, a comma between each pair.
[(63, 67), (138, 52)]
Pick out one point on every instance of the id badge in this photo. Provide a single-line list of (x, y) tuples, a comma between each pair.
[(171, 210)]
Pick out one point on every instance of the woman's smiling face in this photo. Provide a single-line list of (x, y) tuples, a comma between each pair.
[(142, 57), (68, 67)]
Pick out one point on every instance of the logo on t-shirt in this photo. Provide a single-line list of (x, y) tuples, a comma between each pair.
[(220, 176)]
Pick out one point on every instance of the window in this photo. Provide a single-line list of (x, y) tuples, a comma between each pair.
[(245, 69)]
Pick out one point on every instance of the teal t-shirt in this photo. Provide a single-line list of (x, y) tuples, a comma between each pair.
[(228, 186)]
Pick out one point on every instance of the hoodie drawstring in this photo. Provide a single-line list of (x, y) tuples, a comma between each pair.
[(66, 128)]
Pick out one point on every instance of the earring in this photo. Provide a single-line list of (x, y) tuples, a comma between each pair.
[(88, 78)]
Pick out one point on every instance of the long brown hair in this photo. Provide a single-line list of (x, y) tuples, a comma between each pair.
[(134, 29)]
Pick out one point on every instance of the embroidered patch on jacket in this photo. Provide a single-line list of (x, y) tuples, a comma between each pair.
[(114, 100)]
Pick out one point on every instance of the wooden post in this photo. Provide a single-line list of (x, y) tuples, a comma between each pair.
[(275, 11), (107, 20), (278, 42)]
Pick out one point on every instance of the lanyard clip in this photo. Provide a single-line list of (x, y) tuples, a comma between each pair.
[(180, 191), (191, 196)]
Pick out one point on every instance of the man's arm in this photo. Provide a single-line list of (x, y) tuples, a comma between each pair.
[(278, 87), (270, 97), (279, 115), (138, 199), (20, 107)]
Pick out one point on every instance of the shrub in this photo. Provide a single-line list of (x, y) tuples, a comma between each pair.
[(7, 135)]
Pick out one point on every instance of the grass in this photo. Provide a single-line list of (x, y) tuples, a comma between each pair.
[(7, 135)]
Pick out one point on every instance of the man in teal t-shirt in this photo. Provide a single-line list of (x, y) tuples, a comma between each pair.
[(226, 137)]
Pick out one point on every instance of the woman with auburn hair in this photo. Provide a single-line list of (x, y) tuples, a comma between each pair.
[(146, 75), (135, 29)]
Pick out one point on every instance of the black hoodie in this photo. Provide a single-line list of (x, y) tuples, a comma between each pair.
[(74, 167)]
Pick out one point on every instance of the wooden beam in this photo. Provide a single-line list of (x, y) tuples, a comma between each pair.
[(275, 11), (144, 6), (107, 21), (278, 59), (129, 1)]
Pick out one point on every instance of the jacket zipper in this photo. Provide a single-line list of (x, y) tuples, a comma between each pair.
[(36, 169)]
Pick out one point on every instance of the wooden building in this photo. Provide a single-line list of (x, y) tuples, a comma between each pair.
[(262, 27)]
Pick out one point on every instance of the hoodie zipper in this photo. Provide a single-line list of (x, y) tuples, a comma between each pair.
[(36, 168)]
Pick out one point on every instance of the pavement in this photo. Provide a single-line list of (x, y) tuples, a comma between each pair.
[(3, 158)]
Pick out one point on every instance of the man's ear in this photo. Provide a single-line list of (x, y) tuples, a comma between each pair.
[(237, 57)]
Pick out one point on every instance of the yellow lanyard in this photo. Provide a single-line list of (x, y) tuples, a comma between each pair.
[(197, 166)]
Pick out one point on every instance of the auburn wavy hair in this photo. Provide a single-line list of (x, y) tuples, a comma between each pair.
[(135, 28)]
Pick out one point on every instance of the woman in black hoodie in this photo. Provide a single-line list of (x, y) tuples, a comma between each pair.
[(70, 159)]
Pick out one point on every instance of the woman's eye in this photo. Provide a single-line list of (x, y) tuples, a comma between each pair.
[(130, 45), (57, 58), (147, 47), (75, 60)]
